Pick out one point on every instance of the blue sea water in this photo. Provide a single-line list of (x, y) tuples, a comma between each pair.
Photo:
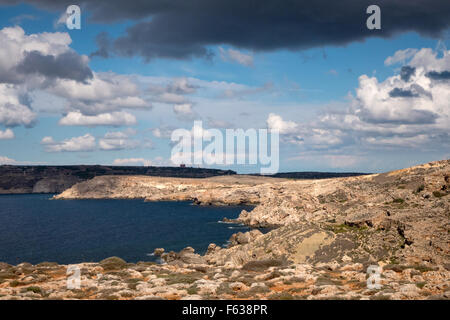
[(35, 229)]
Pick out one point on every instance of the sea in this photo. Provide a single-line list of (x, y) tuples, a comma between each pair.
[(34, 228)]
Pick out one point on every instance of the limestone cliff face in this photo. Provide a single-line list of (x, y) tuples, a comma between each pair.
[(396, 216), (55, 179)]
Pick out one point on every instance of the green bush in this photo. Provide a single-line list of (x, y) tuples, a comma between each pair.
[(113, 263), (34, 289)]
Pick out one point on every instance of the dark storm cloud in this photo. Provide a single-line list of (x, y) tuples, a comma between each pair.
[(402, 93), (444, 75), (68, 65), (103, 44), (182, 29), (406, 73)]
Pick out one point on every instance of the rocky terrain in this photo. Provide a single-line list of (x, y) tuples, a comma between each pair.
[(55, 179), (327, 235)]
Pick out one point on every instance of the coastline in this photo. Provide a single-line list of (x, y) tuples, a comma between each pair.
[(327, 233)]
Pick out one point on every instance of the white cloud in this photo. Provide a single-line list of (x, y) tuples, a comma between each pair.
[(183, 109), (105, 92), (172, 92), (181, 86), (276, 122), (399, 111), (236, 56), (169, 97), (163, 132), (6, 160), (400, 56), (44, 62), (408, 110), (132, 162), (7, 134), (12, 111), (118, 140), (428, 59), (120, 118), (75, 144)]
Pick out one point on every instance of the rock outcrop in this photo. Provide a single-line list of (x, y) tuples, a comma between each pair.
[(396, 216)]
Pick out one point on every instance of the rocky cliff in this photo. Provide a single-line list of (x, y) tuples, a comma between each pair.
[(55, 179), (399, 215)]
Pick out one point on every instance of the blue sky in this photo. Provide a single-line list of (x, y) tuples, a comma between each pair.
[(299, 86)]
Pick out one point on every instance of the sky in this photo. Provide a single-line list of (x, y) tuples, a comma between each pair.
[(343, 97)]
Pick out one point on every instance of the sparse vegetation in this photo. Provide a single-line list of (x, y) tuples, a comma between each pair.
[(341, 228), (258, 265), (192, 289), (113, 263), (438, 194), (188, 278)]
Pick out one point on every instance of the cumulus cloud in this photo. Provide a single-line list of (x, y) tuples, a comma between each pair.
[(14, 108), (400, 56), (6, 134), (118, 140), (76, 118), (408, 110), (236, 56), (44, 62), (75, 144), (106, 92), (276, 122)]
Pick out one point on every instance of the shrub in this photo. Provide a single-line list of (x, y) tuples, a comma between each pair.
[(258, 265), (113, 263), (34, 289), (192, 289), (14, 283)]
